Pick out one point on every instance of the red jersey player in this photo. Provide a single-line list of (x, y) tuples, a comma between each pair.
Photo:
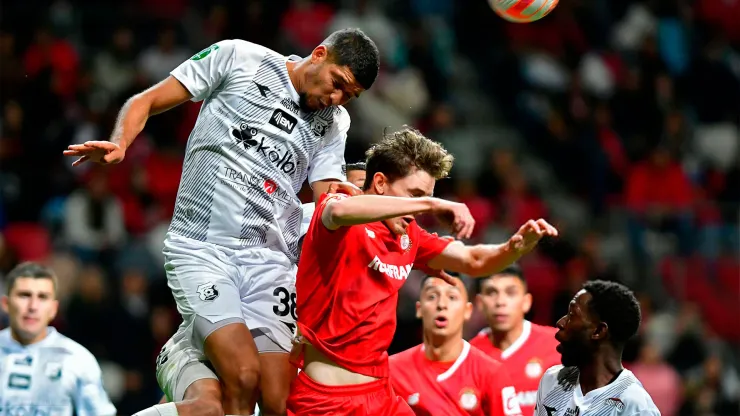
[(526, 349), (356, 255), (444, 375)]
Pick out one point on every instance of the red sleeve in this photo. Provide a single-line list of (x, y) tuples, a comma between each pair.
[(501, 394), (430, 246)]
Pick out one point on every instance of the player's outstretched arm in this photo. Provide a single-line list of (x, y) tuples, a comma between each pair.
[(486, 259), (364, 209), (131, 120)]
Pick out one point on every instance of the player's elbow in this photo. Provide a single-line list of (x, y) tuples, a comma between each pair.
[(337, 214)]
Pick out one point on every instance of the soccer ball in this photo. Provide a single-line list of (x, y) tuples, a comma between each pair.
[(522, 11)]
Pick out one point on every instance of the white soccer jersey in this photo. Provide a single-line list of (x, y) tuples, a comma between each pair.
[(251, 149), (53, 377), (308, 210), (560, 394)]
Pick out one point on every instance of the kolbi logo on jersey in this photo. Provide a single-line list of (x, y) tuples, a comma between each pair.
[(510, 400), (283, 120), (279, 155), (391, 270)]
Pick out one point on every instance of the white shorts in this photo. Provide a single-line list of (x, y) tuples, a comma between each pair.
[(214, 286)]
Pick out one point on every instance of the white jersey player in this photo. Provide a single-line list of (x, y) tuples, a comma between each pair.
[(591, 381), (560, 393), (42, 372), (267, 123)]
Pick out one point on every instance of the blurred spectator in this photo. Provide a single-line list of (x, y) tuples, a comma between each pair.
[(659, 379), (304, 24), (156, 62), (114, 68), (94, 219)]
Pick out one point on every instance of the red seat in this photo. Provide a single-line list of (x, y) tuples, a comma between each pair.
[(29, 241)]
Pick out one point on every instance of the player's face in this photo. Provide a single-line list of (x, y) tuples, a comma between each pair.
[(416, 184), (31, 305), (503, 301), (576, 332), (443, 308), (356, 177), (326, 83)]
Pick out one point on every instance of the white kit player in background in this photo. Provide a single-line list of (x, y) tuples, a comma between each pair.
[(267, 123), (42, 372), (592, 381)]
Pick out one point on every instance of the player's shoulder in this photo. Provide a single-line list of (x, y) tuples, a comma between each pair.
[(340, 120), (559, 375), (245, 53), (403, 357), (79, 353), (635, 397), (478, 356), (481, 338)]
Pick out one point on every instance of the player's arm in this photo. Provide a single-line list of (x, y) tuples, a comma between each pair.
[(194, 79), (90, 399), (364, 209), (486, 259)]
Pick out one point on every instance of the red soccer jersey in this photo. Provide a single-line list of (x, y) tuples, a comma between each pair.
[(347, 288), (473, 385), (526, 359)]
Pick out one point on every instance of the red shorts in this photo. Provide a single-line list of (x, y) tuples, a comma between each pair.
[(308, 397)]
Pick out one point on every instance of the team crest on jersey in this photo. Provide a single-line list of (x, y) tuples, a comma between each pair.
[(319, 126), (468, 399), (615, 402), (533, 369), (413, 399), (207, 292), (405, 242), (53, 371)]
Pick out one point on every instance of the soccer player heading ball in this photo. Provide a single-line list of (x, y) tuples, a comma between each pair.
[(267, 123), (358, 253), (592, 381)]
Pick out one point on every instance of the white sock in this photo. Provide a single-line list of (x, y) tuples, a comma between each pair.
[(166, 409)]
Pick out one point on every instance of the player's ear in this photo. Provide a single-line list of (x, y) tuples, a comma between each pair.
[(479, 302), (54, 309), (418, 310), (468, 311), (4, 303), (601, 332), (319, 54), (527, 303), (380, 183)]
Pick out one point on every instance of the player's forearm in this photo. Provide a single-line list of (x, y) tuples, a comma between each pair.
[(364, 209), (131, 121), (487, 259)]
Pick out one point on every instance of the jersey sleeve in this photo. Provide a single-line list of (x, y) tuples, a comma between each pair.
[(502, 399), (90, 398), (430, 246), (206, 70), (328, 163)]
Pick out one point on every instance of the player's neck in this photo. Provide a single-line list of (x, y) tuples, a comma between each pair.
[(503, 340), (295, 73), (38, 338), (603, 370), (443, 349)]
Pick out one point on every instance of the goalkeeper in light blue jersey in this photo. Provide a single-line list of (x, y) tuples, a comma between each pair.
[(42, 372)]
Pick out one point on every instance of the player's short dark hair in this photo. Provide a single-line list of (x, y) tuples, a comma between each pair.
[(456, 275), (356, 166), (404, 151), (354, 49), (512, 270), (617, 306), (32, 270)]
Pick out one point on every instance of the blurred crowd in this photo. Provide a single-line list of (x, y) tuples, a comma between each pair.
[(617, 121)]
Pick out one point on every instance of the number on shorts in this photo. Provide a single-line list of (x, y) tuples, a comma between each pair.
[(287, 302)]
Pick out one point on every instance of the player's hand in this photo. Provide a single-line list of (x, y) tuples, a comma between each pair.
[(455, 215), (344, 188), (530, 234), (101, 152), (449, 279)]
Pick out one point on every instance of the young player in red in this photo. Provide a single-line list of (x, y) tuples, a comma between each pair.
[(356, 255), (526, 349), (444, 375)]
